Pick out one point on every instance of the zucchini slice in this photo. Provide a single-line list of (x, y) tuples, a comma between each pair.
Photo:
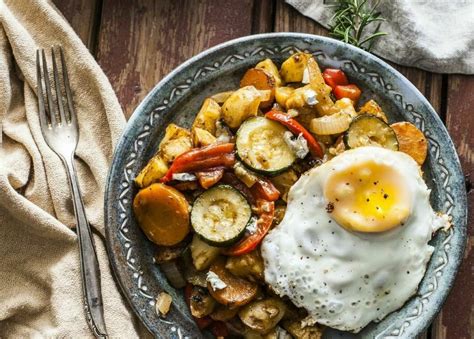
[(262, 147), (220, 215), (368, 130)]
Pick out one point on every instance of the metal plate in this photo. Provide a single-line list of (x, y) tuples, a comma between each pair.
[(177, 98)]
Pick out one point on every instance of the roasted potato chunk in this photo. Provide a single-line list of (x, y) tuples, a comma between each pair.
[(154, 170), (322, 90), (304, 96), (238, 291), (411, 141), (298, 332), (241, 105), (203, 254), (282, 94), (176, 146), (271, 68), (201, 137), (200, 302), (248, 265), (292, 69), (263, 315), (208, 115), (371, 107), (221, 96), (176, 141)]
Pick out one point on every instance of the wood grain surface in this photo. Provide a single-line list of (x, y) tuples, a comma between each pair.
[(457, 317), (84, 17), (138, 42)]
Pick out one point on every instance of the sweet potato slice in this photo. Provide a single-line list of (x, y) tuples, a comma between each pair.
[(411, 141), (372, 107), (162, 213), (260, 79), (238, 291)]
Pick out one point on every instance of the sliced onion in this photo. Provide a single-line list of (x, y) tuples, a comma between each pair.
[(331, 124), (173, 274)]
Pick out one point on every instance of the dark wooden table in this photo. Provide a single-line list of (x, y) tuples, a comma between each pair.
[(138, 42)]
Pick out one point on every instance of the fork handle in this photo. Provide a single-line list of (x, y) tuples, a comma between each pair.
[(90, 272)]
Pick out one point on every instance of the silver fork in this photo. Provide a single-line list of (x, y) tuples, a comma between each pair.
[(61, 133)]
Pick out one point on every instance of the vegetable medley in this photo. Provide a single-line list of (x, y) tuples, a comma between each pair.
[(211, 194)]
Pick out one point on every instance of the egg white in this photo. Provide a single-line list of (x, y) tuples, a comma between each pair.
[(347, 279)]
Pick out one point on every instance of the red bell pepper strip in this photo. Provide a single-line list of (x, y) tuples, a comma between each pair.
[(264, 222), (264, 189), (209, 177), (219, 329), (348, 91), (202, 158), (203, 322), (295, 127), (334, 77)]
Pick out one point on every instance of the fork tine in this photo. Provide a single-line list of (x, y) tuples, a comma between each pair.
[(49, 96), (67, 87), (59, 96), (42, 113)]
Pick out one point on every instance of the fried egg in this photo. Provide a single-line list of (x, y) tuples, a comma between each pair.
[(353, 245)]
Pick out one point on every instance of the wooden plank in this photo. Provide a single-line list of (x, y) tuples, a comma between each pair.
[(288, 19), (263, 16), (457, 317), (82, 15), (141, 41)]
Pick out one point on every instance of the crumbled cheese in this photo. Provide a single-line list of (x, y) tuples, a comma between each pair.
[(282, 333), (252, 227), (308, 321), (298, 145), (223, 138), (310, 97), (305, 79), (163, 304), (184, 176), (215, 281)]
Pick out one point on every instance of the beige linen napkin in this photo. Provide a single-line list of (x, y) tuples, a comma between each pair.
[(434, 35), (40, 285)]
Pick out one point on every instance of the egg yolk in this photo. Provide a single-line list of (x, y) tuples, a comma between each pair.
[(368, 197)]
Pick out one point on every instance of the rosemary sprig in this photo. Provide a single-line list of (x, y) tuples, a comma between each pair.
[(351, 20)]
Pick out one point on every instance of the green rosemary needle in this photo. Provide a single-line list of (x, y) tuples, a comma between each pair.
[(351, 20)]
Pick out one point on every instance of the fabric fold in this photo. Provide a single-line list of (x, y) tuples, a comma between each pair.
[(437, 36), (40, 284)]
